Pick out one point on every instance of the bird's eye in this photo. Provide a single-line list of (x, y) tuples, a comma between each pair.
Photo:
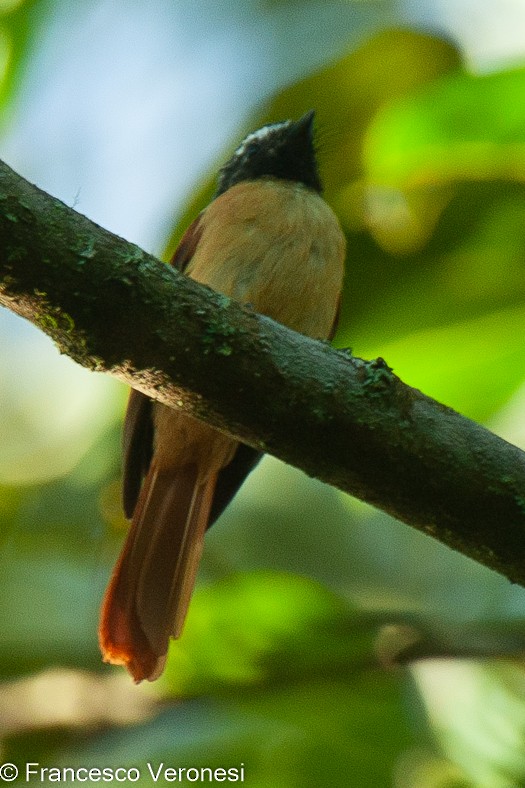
[(251, 148)]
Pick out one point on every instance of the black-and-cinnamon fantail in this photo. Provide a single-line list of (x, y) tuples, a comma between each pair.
[(267, 239)]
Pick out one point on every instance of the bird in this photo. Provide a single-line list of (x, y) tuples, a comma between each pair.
[(269, 240)]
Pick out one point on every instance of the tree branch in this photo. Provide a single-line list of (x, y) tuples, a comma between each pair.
[(352, 423)]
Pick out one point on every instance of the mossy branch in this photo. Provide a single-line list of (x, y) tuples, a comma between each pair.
[(352, 423)]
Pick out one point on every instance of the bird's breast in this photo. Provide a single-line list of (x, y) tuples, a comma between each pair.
[(278, 246)]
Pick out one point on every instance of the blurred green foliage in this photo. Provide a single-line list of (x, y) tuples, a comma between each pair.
[(278, 670), (20, 21)]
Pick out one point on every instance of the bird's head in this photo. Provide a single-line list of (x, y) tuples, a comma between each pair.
[(279, 150)]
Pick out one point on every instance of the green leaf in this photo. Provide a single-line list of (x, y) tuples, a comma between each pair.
[(474, 366), (462, 127), (263, 628), (20, 23)]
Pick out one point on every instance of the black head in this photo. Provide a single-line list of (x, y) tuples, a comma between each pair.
[(281, 150)]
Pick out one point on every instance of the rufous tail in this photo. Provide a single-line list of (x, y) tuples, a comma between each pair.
[(150, 590)]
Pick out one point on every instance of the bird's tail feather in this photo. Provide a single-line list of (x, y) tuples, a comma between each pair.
[(148, 596)]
